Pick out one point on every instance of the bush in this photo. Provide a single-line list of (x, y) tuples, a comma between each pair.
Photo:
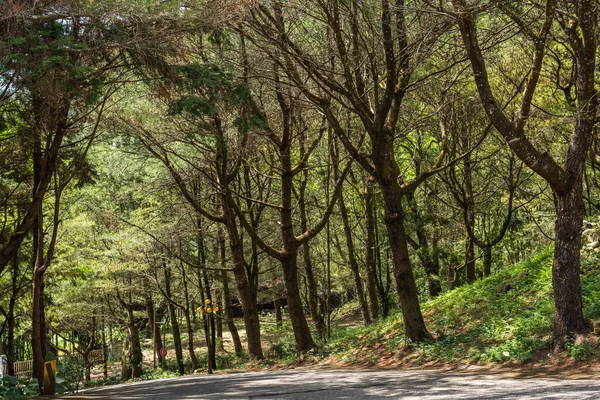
[(12, 388), (70, 371)]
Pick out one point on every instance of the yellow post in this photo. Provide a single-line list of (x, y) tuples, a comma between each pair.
[(50, 377)]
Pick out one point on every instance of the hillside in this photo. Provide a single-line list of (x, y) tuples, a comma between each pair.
[(505, 318)]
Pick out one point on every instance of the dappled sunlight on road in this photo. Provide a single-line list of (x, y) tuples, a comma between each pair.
[(327, 384)]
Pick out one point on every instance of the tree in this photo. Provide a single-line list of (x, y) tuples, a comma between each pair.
[(371, 84), (579, 25)]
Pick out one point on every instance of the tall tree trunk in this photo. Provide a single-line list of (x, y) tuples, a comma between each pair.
[(36, 327), (135, 348), (155, 328), (10, 319), (188, 321), (249, 308), (408, 296), (353, 263), (212, 344), (174, 322), (228, 311), (470, 216), (568, 314), (37, 334), (126, 371), (311, 282), (289, 258), (370, 261)]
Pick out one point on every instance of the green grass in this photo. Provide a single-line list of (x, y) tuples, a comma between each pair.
[(505, 317)]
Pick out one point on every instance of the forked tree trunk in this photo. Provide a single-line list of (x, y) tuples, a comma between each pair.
[(304, 341), (567, 181), (251, 321)]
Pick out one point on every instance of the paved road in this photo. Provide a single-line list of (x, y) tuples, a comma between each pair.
[(329, 384)]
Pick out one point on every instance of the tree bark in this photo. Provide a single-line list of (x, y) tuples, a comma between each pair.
[(249, 309), (469, 218), (188, 321), (174, 322), (370, 244), (311, 281), (487, 260), (566, 281), (228, 311), (36, 328), (566, 182), (406, 288), (304, 341), (155, 328), (278, 316), (360, 293)]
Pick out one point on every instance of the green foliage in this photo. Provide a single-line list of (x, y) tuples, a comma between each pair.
[(579, 351), (70, 371), (282, 351), (12, 388)]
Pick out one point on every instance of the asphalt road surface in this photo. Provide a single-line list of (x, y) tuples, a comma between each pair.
[(338, 384)]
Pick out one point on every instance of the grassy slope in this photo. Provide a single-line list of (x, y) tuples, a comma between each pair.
[(505, 317)]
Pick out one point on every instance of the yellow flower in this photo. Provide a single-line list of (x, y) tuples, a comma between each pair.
[(199, 309), (207, 301), (216, 308), (208, 310)]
